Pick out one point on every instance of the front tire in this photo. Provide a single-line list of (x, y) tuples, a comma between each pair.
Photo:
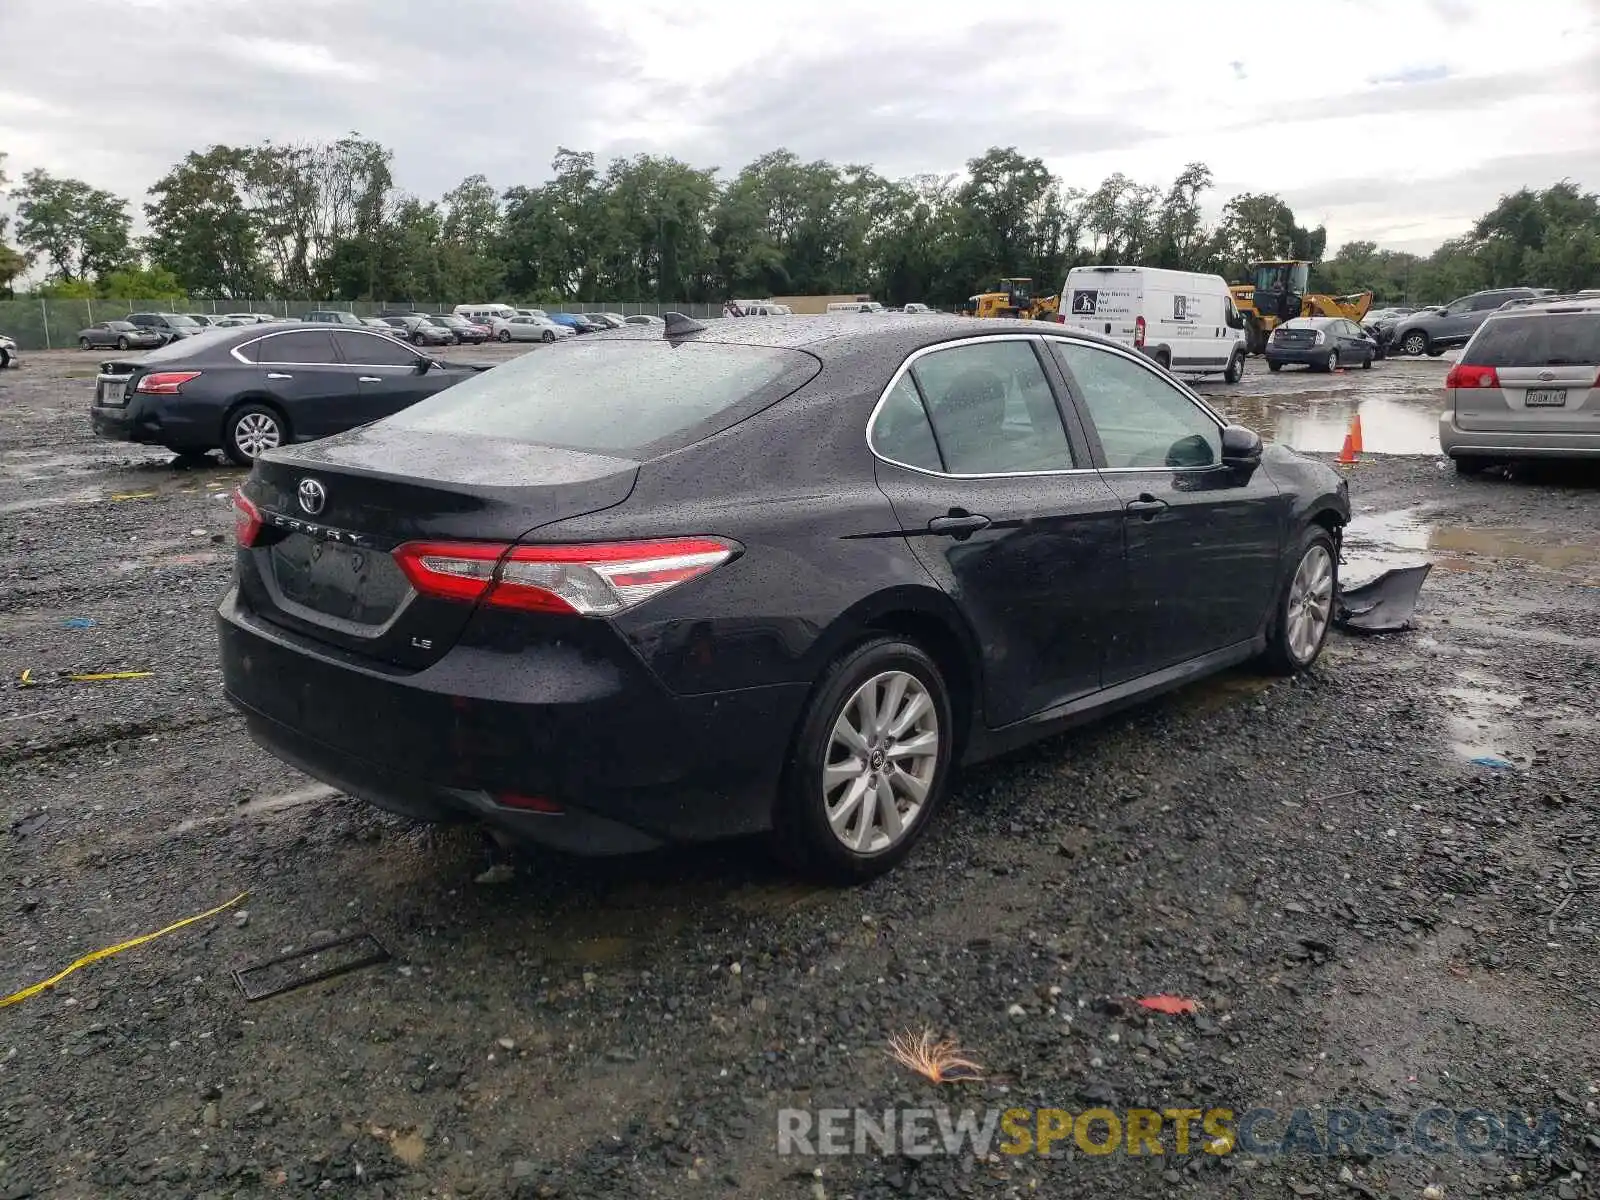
[(1304, 612), (869, 766), (1415, 344), (251, 430), (85, 344), (418, 339), (1274, 367), (505, 335), (548, 336), (1235, 371)]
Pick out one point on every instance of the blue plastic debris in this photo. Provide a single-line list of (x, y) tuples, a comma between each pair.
[(1489, 760), (78, 623)]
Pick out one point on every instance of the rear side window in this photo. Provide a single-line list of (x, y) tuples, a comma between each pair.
[(901, 432), (307, 347), (992, 410), (1544, 340), (626, 399)]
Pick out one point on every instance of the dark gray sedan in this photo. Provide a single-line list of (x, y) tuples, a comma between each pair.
[(121, 335), (252, 389), (1321, 343)]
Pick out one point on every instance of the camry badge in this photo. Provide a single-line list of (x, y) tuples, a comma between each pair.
[(312, 496)]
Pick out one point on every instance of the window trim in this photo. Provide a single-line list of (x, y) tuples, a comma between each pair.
[(953, 343), (1097, 447)]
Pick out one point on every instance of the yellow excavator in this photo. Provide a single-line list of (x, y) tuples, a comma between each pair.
[(1013, 298), (1278, 293)]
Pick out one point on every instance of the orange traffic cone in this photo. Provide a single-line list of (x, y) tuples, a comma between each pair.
[(1347, 456), (1355, 433)]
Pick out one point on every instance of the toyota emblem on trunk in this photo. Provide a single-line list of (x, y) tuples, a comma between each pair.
[(312, 496)]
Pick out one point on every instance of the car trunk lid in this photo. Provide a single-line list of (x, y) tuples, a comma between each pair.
[(333, 513)]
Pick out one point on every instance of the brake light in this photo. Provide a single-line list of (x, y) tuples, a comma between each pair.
[(591, 580), (246, 520), (537, 804), (165, 383), (1463, 376), (1138, 332), (1059, 318)]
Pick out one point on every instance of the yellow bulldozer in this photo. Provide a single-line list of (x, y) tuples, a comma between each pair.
[(1278, 293), (1013, 298)]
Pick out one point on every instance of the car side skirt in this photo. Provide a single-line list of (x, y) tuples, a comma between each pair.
[(989, 743)]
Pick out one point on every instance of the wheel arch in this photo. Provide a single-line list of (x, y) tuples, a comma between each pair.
[(926, 617)]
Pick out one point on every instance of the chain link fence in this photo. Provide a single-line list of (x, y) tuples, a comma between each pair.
[(54, 324)]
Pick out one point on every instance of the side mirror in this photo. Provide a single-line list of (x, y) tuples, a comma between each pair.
[(1241, 448), (427, 364)]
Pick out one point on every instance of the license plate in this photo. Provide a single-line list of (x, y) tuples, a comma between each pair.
[(1546, 398), (111, 392)]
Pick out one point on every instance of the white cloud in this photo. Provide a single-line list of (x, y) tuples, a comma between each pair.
[(1398, 122)]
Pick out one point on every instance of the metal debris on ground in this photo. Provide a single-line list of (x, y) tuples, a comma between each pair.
[(289, 971), (1494, 761), (938, 1061), (1385, 605), (108, 951), (78, 623)]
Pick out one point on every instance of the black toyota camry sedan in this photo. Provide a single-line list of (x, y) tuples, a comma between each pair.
[(246, 390), (684, 582)]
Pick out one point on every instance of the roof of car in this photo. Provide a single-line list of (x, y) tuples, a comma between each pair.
[(1552, 305), (849, 332)]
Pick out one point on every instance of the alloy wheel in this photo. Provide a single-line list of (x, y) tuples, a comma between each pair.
[(881, 762), (1310, 603), (256, 433)]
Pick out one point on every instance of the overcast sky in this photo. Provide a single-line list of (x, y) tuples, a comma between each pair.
[(1393, 120)]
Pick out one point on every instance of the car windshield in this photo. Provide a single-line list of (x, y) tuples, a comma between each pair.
[(625, 399), (1537, 340)]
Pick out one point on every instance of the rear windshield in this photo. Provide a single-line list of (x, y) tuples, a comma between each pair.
[(1543, 340), (624, 399)]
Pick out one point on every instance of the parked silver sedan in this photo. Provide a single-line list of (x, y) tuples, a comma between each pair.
[(530, 329), (123, 335)]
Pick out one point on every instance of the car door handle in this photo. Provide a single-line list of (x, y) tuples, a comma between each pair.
[(1146, 507), (278, 375), (369, 379), (958, 524)]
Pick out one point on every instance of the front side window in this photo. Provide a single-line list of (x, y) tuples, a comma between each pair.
[(312, 347), (901, 432), (373, 350), (1143, 421), (1490, 301), (992, 409)]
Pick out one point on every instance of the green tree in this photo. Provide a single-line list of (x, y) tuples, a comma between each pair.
[(12, 261), (202, 230), (138, 283), (82, 230)]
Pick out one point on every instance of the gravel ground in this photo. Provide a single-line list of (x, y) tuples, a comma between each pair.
[(1368, 918)]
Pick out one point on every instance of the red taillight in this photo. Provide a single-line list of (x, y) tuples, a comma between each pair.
[(1138, 331), (165, 383), (592, 580), (1059, 318), (1462, 376), (536, 804), (246, 520)]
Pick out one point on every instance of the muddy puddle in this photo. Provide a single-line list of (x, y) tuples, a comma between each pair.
[(44, 480), (1407, 537), (1317, 421)]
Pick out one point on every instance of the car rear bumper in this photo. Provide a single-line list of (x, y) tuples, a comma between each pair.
[(1312, 356), (152, 424), (1493, 443), (631, 764)]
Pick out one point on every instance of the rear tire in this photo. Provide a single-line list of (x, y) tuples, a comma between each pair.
[(862, 784), (1164, 359), (252, 429), (1274, 367), (1235, 371), (84, 344), (122, 343), (1304, 611), (1331, 364), (1367, 366), (418, 339)]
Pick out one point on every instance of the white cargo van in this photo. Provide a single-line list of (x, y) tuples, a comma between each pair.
[(854, 306), (1186, 321), (486, 312)]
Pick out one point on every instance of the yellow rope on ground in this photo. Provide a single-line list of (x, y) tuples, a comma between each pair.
[(107, 952)]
